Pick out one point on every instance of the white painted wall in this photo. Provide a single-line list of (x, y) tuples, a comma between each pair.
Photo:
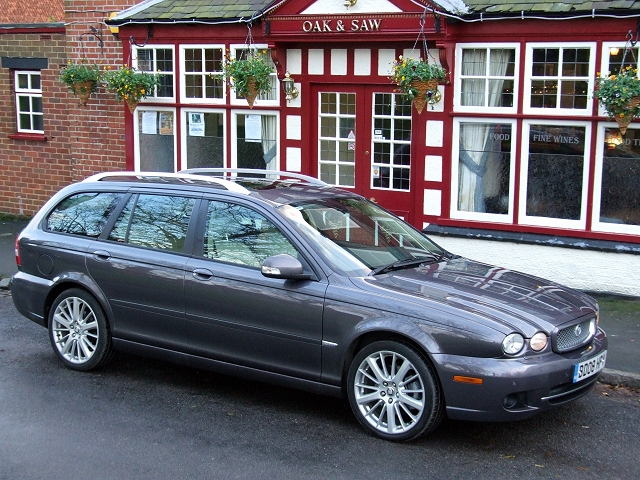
[(586, 270)]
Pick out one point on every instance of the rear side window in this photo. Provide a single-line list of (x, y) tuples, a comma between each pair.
[(83, 213), (154, 221)]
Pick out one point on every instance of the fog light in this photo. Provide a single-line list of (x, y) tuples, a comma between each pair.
[(515, 401), (512, 343), (538, 341)]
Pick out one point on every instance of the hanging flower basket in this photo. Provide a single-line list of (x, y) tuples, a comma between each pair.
[(81, 79), (619, 95), (130, 85), (418, 79), (250, 76)]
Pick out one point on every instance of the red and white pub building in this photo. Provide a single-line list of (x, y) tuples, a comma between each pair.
[(515, 165)]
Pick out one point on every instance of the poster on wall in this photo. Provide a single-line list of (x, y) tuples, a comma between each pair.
[(252, 128), (166, 123), (150, 123), (196, 124)]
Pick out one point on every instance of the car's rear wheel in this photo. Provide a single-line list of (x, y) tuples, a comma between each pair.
[(78, 330), (394, 392)]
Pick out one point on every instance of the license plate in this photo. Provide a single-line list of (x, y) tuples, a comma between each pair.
[(588, 368)]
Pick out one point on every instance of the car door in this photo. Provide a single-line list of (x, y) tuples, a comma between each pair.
[(234, 313), (140, 268)]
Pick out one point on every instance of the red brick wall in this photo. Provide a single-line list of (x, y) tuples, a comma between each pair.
[(80, 140)]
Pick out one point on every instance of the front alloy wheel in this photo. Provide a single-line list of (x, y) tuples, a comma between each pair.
[(78, 330), (393, 392)]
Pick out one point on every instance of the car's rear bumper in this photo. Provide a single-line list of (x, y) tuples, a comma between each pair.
[(28, 293), (531, 384)]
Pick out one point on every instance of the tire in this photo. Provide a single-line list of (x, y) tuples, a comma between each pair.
[(393, 392), (78, 331)]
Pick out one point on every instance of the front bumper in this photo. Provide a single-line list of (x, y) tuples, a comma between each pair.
[(531, 384)]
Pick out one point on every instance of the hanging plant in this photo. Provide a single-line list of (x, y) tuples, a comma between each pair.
[(250, 76), (418, 79), (82, 79), (130, 85), (619, 95)]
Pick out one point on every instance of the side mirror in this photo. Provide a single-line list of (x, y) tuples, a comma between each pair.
[(284, 266)]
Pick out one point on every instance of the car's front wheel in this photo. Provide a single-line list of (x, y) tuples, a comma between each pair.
[(394, 392), (78, 330)]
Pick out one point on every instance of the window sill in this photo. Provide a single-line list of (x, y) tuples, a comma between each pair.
[(34, 137)]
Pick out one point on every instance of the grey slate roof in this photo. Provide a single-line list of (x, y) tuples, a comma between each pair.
[(222, 11)]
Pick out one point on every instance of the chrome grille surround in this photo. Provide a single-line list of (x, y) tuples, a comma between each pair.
[(575, 335)]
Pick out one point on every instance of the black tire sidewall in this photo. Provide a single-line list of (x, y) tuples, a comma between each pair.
[(103, 347), (432, 412)]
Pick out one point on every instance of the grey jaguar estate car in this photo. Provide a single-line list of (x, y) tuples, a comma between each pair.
[(281, 278)]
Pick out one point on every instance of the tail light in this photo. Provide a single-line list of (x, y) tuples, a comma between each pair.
[(17, 251)]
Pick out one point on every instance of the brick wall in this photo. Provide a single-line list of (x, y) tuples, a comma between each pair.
[(80, 140)]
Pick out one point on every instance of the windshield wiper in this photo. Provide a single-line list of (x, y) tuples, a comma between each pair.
[(411, 262)]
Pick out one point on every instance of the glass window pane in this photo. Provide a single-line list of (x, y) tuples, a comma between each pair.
[(83, 214), (205, 139), (156, 148)]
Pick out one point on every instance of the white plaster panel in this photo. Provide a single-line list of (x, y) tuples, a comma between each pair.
[(336, 7), (362, 62), (432, 202), (433, 168), (586, 270), (294, 127), (294, 159), (316, 61), (338, 61), (294, 61), (386, 56), (435, 133)]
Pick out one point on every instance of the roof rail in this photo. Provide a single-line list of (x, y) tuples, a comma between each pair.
[(231, 186), (254, 171)]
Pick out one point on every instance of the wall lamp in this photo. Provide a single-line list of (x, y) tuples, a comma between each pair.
[(289, 87), (349, 3)]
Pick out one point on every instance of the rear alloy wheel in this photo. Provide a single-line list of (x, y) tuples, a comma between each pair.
[(393, 392), (78, 330)]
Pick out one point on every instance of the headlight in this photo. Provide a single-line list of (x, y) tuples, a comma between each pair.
[(538, 341), (512, 343)]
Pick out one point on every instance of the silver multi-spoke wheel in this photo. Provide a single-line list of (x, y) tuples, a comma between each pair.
[(393, 392), (75, 330), (78, 330)]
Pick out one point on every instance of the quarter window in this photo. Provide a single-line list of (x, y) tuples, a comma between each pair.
[(28, 88), (83, 214), (154, 221)]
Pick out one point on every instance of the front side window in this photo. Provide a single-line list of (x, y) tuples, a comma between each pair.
[(487, 78), (83, 213), (157, 60), (554, 174), (154, 221), (560, 79), (203, 76), (483, 176), (28, 88), (337, 137), (237, 234)]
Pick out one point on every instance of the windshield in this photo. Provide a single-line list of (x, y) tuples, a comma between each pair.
[(357, 236)]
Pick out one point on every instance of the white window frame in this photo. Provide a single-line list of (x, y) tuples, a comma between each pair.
[(183, 75), (234, 129), (136, 133), (457, 96), (562, 223), (527, 109), (596, 224), (184, 159), (259, 102), (604, 63), (455, 153), (154, 47), (30, 93)]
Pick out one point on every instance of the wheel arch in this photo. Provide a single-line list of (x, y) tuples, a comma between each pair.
[(82, 282)]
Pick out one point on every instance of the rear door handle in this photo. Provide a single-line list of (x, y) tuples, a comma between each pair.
[(202, 274), (101, 255)]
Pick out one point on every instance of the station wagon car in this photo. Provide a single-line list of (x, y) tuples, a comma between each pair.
[(281, 278)]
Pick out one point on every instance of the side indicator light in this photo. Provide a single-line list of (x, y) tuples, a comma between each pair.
[(472, 380)]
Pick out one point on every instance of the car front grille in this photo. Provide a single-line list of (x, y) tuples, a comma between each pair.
[(576, 335)]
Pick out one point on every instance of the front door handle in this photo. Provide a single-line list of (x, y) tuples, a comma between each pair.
[(202, 274), (101, 255)]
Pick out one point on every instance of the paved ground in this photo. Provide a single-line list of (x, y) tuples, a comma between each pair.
[(620, 318)]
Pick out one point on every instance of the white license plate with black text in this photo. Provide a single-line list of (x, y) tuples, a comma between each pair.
[(590, 367)]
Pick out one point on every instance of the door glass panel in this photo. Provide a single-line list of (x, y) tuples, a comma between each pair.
[(337, 138), (391, 142)]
